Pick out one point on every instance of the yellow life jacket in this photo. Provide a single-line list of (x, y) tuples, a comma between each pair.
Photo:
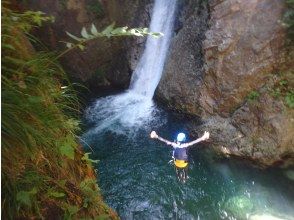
[(180, 163)]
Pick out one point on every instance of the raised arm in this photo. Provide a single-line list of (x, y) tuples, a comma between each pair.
[(154, 135), (203, 138)]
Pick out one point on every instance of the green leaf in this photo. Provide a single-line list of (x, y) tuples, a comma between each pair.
[(145, 30), (67, 151), (73, 36), (67, 147), (108, 30), (283, 82), (102, 217), (87, 183), (135, 32), (56, 194), (82, 47), (276, 92), (84, 33), (35, 99), (85, 205), (72, 209), (73, 124), (33, 191), (94, 30), (8, 46), (88, 160), (24, 198), (120, 30), (253, 95), (290, 99), (62, 182)]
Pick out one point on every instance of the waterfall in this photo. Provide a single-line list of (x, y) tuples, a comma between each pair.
[(134, 108), (148, 72)]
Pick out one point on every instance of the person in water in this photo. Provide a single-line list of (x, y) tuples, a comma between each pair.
[(180, 155)]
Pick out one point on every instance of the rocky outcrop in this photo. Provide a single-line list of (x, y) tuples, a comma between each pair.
[(242, 48), (105, 61), (182, 77), (217, 61), (260, 130)]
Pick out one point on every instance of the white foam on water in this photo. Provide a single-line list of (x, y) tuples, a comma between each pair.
[(122, 113)]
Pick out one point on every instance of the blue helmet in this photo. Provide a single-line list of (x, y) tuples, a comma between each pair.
[(181, 137)]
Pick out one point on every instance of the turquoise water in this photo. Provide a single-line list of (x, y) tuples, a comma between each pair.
[(139, 183)]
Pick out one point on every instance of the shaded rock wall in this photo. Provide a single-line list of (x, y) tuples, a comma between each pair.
[(242, 48), (183, 72), (225, 51), (104, 61)]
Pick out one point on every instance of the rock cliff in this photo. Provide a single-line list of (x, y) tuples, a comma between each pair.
[(225, 65)]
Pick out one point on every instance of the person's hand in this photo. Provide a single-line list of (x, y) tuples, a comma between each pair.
[(153, 134), (205, 135)]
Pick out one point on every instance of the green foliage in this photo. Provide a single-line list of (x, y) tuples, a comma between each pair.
[(56, 194), (88, 160), (67, 150), (289, 99), (70, 211), (25, 197), (276, 92), (253, 96), (109, 31), (67, 146), (89, 188), (31, 102), (23, 21), (283, 88), (38, 106), (102, 217), (41, 162), (283, 82), (88, 184)]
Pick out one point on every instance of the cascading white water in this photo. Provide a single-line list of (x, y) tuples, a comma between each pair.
[(134, 108), (148, 72)]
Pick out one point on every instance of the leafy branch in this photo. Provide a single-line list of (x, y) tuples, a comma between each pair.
[(24, 21), (109, 31)]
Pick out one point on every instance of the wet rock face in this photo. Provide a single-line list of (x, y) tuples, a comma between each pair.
[(104, 61), (222, 53), (260, 130), (267, 129), (242, 47), (183, 73), (211, 70)]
